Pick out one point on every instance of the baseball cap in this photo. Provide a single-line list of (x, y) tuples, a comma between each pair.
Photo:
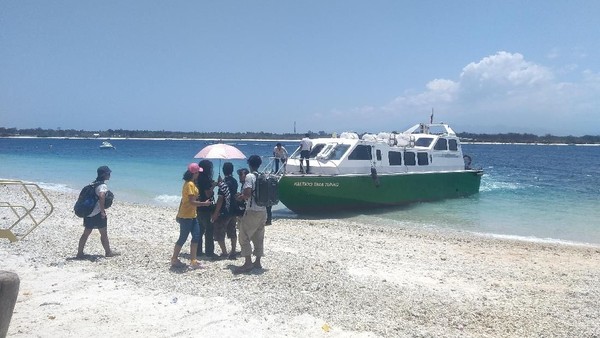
[(194, 168), (103, 170)]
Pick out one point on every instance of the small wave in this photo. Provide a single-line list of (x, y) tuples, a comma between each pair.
[(56, 187), (170, 200), (492, 186), (536, 239)]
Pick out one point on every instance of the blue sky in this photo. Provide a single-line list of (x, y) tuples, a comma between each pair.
[(364, 66)]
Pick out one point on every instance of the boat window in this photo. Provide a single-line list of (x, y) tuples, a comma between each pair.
[(441, 144), (452, 145), (423, 141), (361, 152), (395, 157), (409, 158), (338, 152), (423, 158), (316, 150), (378, 153)]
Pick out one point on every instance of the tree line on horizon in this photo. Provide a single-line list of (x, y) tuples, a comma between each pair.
[(122, 133)]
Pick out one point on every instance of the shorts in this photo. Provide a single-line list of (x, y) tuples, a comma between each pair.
[(187, 226), (225, 225), (95, 222), (305, 154)]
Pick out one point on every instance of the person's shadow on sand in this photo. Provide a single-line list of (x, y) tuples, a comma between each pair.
[(179, 270), (91, 258), (254, 271)]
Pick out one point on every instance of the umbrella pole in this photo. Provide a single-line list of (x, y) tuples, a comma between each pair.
[(219, 177)]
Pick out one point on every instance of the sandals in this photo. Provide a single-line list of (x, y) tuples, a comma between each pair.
[(194, 265)]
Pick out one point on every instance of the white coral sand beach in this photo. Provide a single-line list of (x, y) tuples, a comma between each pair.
[(321, 278)]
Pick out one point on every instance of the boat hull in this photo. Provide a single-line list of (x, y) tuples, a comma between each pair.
[(309, 194)]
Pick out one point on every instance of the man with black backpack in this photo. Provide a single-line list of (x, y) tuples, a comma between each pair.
[(252, 224), (97, 219)]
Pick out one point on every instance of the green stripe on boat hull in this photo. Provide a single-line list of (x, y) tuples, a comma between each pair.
[(305, 194)]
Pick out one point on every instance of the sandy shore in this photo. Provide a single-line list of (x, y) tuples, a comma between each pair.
[(321, 278)]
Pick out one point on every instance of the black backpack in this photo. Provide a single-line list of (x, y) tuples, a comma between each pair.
[(87, 200), (265, 193), (239, 208)]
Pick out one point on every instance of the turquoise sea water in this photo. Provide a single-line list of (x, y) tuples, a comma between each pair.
[(538, 192)]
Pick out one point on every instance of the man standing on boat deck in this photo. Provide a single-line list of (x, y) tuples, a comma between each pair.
[(305, 148), (280, 155)]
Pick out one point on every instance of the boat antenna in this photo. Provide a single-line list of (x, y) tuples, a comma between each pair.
[(431, 117)]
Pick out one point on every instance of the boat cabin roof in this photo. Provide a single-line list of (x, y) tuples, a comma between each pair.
[(421, 135), (423, 147)]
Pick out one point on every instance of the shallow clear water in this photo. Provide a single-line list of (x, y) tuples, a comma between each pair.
[(542, 192)]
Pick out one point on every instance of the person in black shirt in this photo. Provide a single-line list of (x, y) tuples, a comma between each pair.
[(206, 186), (224, 216)]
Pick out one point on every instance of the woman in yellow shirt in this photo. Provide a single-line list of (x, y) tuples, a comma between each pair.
[(186, 217)]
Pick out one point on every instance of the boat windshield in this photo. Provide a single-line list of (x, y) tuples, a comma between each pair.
[(316, 149), (423, 142), (338, 152), (325, 151)]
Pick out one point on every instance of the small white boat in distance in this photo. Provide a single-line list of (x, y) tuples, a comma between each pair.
[(107, 145)]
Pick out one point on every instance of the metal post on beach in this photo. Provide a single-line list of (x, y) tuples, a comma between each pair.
[(9, 290)]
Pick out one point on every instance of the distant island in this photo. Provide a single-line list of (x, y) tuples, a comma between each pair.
[(122, 133)]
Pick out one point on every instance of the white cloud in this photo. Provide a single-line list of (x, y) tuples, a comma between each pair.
[(500, 93), (504, 69)]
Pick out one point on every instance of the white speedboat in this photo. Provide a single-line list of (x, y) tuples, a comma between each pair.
[(424, 163), (107, 145)]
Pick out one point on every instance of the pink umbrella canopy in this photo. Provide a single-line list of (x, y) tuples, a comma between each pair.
[(220, 151)]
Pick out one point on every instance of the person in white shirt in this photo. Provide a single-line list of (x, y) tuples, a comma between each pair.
[(97, 219), (252, 224), (281, 155), (305, 148)]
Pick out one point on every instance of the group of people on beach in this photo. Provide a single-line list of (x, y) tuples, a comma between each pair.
[(202, 216), (231, 213), (207, 219)]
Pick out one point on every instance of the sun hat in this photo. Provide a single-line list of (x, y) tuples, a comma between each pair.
[(194, 168)]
